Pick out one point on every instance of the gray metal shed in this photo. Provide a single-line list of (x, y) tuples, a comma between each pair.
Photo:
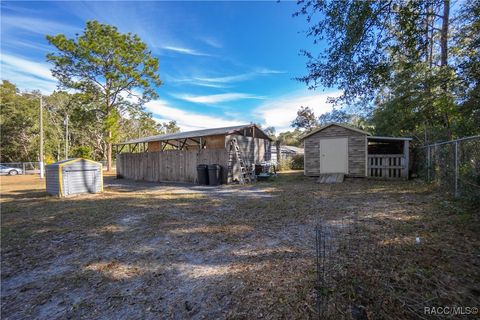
[(74, 176)]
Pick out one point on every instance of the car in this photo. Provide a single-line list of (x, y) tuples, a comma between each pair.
[(10, 170)]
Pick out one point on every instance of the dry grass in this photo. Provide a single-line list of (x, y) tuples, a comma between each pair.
[(170, 251)]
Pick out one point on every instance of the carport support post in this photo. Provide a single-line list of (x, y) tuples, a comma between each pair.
[(456, 169)]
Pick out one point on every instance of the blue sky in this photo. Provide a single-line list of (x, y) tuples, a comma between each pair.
[(222, 63)]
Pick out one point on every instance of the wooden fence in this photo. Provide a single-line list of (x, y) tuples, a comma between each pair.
[(171, 165), (387, 166)]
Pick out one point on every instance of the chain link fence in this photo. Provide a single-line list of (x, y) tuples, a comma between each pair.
[(13, 168), (367, 269), (454, 166), (20, 168)]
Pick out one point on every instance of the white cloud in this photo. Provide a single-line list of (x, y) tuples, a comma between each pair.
[(239, 77), (280, 112), (226, 79), (187, 121), (26, 74), (35, 25), (212, 42), (223, 81), (185, 51), (216, 98)]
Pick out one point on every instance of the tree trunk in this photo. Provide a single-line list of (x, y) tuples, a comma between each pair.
[(109, 151), (444, 34), (444, 58)]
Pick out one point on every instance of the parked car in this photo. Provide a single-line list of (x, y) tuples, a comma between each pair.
[(10, 170)]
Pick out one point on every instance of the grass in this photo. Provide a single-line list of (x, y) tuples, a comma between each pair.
[(142, 250)]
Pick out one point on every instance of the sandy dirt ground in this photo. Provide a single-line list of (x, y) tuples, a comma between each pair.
[(173, 251)]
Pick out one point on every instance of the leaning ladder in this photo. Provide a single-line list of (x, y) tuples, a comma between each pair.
[(234, 151)]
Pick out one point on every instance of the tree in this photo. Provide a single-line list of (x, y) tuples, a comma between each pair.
[(169, 127), (394, 56), (290, 138), (19, 124), (270, 131), (109, 66), (305, 119), (335, 116)]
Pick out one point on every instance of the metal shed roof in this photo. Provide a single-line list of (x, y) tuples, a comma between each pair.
[(292, 149), (335, 124), (62, 163), (193, 134)]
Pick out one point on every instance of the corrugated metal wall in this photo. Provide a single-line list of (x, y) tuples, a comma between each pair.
[(79, 176)]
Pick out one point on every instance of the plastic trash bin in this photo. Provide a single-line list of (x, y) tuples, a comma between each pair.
[(202, 173), (215, 174)]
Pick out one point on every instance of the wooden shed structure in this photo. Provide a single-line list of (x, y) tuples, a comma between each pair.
[(174, 157), (74, 176), (338, 148)]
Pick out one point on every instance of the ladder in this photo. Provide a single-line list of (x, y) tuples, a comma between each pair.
[(234, 151)]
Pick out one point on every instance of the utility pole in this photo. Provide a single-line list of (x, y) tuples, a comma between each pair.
[(41, 139), (66, 137)]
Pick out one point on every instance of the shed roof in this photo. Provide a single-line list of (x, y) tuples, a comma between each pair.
[(68, 161), (335, 124), (194, 134), (378, 138)]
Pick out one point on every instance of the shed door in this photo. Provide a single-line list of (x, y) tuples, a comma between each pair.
[(82, 181), (334, 155)]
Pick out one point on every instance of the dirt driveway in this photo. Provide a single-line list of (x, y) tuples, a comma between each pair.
[(151, 251)]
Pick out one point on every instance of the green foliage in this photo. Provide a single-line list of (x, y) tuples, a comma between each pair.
[(82, 152), (295, 162), (115, 70), (284, 164), (410, 66), (106, 62), (19, 124), (298, 162), (290, 138)]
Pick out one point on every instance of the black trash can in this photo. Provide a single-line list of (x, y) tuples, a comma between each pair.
[(215, 174), (202, 173)]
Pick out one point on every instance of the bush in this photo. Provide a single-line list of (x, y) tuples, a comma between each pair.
[(291, 163), (297, 162), (284, 164)]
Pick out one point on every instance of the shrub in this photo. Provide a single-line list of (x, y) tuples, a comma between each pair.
[(297, 162), (291, 163)]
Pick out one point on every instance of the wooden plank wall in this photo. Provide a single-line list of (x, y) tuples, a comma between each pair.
[(357, 150), (254, 150), (171, 165)]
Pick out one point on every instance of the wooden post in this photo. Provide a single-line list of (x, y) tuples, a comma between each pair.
[(406, 157), (277, 146), (456, 170)]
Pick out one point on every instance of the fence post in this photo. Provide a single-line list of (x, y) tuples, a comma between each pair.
[(428, 163), (23, 167), (456, 169)]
